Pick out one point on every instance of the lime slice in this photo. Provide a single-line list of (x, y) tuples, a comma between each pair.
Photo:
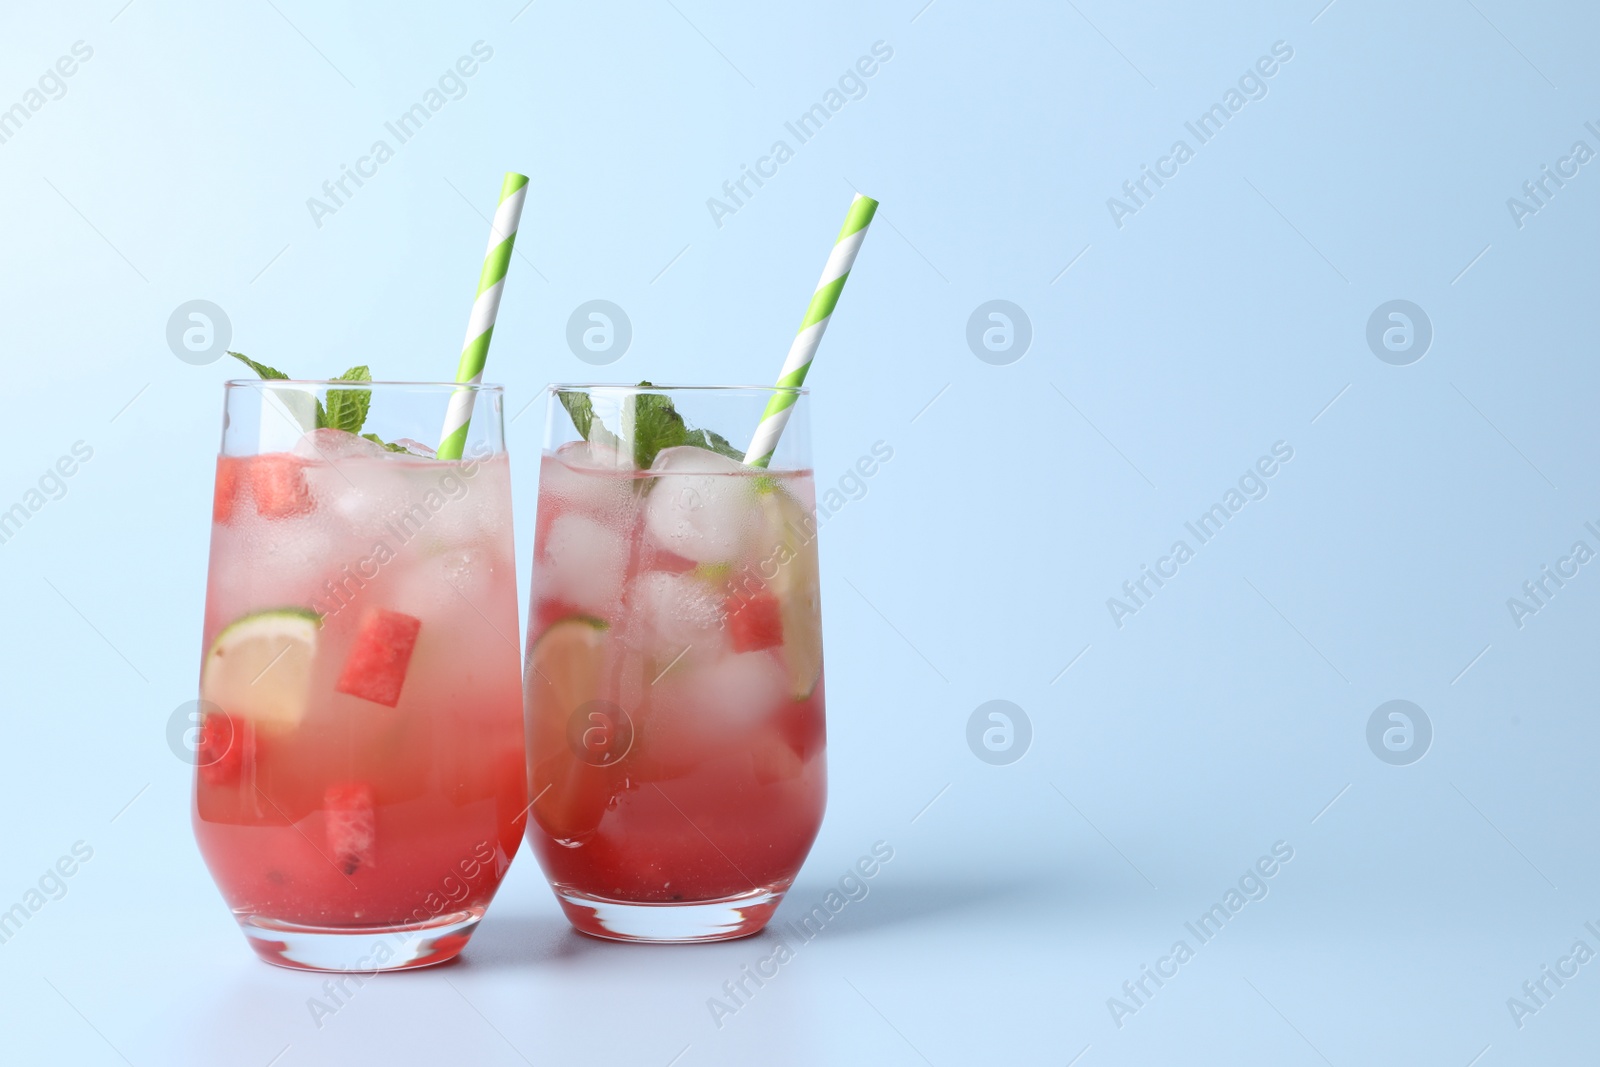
[(259, 667), (565, 663), (792, 537), (564, 674)]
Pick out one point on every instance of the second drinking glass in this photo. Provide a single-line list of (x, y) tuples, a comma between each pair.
[(673, 678)]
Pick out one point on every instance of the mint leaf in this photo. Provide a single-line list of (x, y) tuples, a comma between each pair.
[(292, 400), (649, 425), (713, 441), (581, 409), (375, 439), (347, 408), (655, 424), (261, 369)]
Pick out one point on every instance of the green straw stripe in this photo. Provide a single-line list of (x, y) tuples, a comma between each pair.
[(512, 183), (780, 402), (453, 446), (794, 379), (823, 301), (474, 356), (784, 399), (496, 263), (861, 212)]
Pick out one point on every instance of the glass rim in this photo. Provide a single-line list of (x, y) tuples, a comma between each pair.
[(574, 387), (340, 383)]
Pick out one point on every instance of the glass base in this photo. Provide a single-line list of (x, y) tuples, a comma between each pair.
[(360, 949), (683, 922)]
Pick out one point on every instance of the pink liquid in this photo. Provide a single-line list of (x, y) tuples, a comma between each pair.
[(711, 780), (361, 814)]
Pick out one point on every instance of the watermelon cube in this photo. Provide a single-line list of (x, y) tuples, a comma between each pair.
[(754, 624), (221, 752), (229, 475), (375, 669), (278, 482), (351, 826)]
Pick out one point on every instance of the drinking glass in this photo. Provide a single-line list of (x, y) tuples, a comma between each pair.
[(673, 677), (360, 777)]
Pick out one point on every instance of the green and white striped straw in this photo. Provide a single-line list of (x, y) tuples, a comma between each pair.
[(480, 327), (806, 341)]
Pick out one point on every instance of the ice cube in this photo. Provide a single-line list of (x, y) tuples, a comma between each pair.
[(341, 477), (583, 563), (311, 539), (587, 477), (355, 493), (741, 689), (593, 455), (435, 503), (701, 505), (419, 582), (708, 711), (269, 562), (413, 448), (673, 613), (331, 446)]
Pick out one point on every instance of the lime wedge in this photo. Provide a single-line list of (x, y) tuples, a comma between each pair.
[(790, 539), (259, 667)]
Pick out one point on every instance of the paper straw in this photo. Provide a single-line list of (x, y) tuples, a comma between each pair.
[(811, 329), (480, 327)]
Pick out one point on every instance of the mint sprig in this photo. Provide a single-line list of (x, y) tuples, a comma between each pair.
[(649, 424), (345, 410)]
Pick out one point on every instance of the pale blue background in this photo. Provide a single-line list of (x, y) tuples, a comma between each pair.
[(1223, 317)]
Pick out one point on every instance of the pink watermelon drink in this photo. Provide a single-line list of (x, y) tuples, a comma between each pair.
[(361, 783), (674, 670)]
